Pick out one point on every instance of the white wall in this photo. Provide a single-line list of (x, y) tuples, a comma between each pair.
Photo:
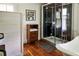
[(31, 6), (9, 39), (10, 26), (75, 20)]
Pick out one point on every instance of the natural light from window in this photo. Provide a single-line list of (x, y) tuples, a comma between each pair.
[(64, 18), (6, 7)]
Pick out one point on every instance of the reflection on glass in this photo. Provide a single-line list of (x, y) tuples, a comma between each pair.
[(64, 17), (64, 27), (58, 15), (64, 11)]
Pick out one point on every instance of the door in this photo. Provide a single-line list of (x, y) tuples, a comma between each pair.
[(66, 21)]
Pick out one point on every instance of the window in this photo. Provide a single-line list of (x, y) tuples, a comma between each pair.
[(2, 7), (6, 7)]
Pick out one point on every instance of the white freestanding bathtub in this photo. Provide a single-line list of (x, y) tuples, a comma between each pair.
[(70, 48)]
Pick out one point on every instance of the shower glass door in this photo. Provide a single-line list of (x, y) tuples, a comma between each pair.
[(58, 20), (66, 22), (47, 23)]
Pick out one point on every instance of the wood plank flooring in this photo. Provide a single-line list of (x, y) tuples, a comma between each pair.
[(33, 49)]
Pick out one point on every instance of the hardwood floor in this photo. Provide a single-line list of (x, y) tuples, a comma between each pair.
[(33, 49)]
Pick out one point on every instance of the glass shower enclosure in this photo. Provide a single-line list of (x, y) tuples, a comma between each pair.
[(57, 18)]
